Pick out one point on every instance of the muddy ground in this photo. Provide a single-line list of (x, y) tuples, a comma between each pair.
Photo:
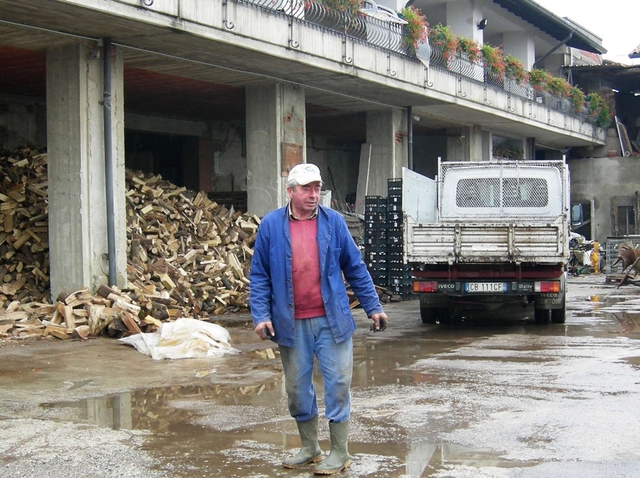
[(497, 396)]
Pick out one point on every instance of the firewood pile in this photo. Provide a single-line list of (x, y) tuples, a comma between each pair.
[(24, 227), (187, 257)]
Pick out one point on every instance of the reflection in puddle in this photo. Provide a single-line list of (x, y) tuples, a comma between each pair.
[(155, 409)]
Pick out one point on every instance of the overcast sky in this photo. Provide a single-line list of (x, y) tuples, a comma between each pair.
[(617, 22)]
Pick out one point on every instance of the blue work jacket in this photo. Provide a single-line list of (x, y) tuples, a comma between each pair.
[(271, 297)]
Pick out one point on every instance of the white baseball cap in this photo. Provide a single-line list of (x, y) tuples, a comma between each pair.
[(304, 174)]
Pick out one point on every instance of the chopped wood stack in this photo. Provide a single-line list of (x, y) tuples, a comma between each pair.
[(24, 233), (187, 257)]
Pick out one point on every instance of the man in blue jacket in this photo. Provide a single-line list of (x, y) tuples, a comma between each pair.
[(299, 300)]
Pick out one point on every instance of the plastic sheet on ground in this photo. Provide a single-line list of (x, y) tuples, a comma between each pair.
[(184, 338)]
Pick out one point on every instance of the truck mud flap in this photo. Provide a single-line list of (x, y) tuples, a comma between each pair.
[(549, 301), (433, 300)]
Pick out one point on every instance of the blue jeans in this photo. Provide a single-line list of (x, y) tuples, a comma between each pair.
[(314, 337)]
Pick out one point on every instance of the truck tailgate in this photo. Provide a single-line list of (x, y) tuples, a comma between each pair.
[(484, 243)]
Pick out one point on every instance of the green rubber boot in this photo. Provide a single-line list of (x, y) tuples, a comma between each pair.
[(310, 451), (338, 458)]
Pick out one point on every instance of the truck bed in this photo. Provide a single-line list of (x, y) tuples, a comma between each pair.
[(520, 242)]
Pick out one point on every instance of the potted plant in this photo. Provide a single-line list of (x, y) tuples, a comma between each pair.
[(558, 87), (514, 69), (507, 151), (337, 15), (443, 38), (576, 97), (350, 7), (598, 109), (468, 47), (538, 79), (416, 30), (493, 59)]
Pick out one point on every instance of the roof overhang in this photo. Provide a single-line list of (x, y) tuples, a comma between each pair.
[(553, 25)]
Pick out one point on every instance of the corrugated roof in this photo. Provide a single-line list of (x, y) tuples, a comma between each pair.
[(635, 53), (553, 25)]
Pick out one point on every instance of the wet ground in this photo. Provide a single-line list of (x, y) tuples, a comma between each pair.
[(493, 397)]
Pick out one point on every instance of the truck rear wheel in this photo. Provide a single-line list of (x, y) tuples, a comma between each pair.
[(558, 316), (431, 315), (541, 316)]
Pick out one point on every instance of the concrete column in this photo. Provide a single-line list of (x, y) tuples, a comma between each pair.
[(487, 145), (476, 144), (276, 141), (529, 148), (75, 141), (469, 144), (520, 45), (463, 17), (383, 155)]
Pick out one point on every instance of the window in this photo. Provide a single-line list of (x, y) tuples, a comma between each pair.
[(525, 192), (626, 221), (516, 192)]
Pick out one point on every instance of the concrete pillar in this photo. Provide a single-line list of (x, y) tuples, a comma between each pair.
[(520, 45), (463, 17), (276, 141), (476, 144), (469, 144), (383, 155), (529, 148), (487, 145), (75, 141)]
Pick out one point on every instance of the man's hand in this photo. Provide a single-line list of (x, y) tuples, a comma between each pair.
[(379, 322), (264, 330)]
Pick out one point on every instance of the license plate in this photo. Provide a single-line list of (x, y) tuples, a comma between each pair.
[(486, 287)]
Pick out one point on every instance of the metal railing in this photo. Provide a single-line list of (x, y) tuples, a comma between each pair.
[(389, 36), (461, 66), (364, 28)]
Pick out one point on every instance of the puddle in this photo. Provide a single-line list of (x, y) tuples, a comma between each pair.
[(475, 399)]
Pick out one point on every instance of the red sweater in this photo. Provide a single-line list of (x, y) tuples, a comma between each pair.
[(307, 296)]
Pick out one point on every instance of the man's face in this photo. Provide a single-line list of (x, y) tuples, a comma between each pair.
[(304, 199)]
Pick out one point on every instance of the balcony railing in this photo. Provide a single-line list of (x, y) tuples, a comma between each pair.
[(389, 36), (364, 28), (460, 65)]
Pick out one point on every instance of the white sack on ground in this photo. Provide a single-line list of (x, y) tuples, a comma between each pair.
[(184, 338)]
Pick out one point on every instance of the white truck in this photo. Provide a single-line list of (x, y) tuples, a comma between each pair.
[(483, 234)]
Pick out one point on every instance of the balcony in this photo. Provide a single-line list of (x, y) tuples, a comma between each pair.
[(346, 65), (388, 36)]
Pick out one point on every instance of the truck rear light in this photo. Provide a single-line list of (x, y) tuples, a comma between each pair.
[(547, 286), (425, 286)]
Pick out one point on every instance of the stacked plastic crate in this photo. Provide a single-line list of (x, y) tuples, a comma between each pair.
[(399, 273), (376, 239)]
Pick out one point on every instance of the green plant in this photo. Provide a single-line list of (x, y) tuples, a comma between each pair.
[(351, 7), (538, 79), (507, 151), (576, 97), (416, 30), (493, 59), (514, 69), (441, 37), (558, 87), (468, 47), (598, 109)]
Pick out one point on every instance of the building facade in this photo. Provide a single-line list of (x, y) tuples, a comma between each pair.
[(226, 96)]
